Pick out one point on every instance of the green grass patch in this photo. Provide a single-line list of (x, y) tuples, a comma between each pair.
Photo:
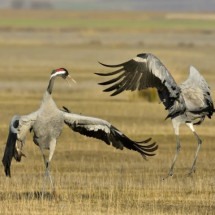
[(108, 20)]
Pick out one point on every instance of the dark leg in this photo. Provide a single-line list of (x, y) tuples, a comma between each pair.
[(178, 147), (199, 141), (47, 173)]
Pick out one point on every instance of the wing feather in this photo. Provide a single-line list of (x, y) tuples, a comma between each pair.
[(142, 72), (112, 80), (103, 130), (18, 129), (26, 123), (10, 145)]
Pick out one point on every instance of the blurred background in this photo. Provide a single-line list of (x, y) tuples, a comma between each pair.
[(145, 5), (39, 36)]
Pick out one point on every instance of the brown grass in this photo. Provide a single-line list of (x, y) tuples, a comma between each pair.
[(91, 177)]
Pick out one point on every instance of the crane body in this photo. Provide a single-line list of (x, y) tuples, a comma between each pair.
[(47, 124)]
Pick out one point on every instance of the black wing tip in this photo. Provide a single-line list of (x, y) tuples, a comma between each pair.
[(108, 65), (103, 64), (145, 147), (10, 145), (6, 169), (98, 73), (145, 141), (115, 93), (65, 109), (101, 83), (6, 163), (143, 55), (148, 149), (107, 74), (7, 173)]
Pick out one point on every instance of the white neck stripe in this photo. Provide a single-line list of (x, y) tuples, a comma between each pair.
[(60, 72)]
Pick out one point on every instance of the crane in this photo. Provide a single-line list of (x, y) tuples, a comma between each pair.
[(188, 103), (47, 123)]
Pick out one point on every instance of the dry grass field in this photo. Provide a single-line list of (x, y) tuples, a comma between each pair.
[(91, 177)]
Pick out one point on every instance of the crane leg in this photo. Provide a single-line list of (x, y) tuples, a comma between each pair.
[(47, 175), (199, 141), (178, 147), (193, 167)]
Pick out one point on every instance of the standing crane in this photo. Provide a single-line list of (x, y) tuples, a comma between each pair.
[(47, 124), (189, 102)]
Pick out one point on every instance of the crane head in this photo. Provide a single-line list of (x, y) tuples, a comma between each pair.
[(63, 73)]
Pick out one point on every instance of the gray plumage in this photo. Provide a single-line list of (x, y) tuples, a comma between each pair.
[(47, 123), (189, 102)]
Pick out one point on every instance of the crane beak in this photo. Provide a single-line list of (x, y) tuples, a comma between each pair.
[(69, 79)]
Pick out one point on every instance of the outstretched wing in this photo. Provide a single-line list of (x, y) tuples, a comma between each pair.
[(139, 73), (18, 129), (197, 93), (103, 130)]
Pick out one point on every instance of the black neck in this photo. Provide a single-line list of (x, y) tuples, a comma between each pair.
[(51, 84)]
